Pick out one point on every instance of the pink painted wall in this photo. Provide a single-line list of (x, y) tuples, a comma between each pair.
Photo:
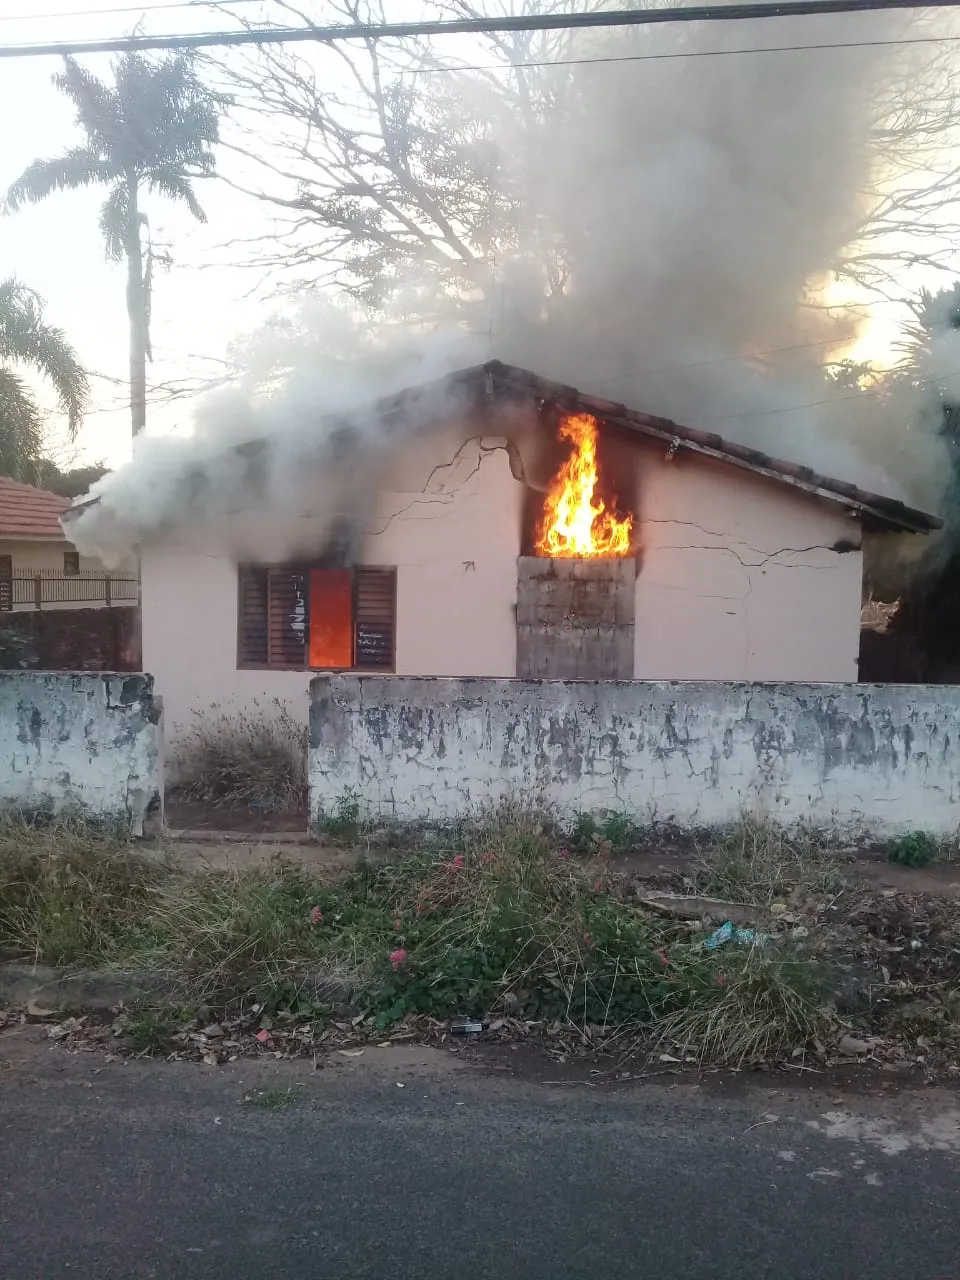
[(737, 579)]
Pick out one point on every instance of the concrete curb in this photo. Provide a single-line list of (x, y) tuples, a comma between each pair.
[(92, 990)]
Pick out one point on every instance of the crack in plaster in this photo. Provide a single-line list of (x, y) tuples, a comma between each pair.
[(766, 556), (448, 497)]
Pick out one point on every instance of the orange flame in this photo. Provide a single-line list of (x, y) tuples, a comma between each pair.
[(573, 524)]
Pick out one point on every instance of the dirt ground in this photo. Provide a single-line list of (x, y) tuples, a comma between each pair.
[(182, 814)]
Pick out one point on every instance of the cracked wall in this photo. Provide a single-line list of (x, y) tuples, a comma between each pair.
[(740, 578), (448, 517), (82, 744), (856, 760), (737, 576)]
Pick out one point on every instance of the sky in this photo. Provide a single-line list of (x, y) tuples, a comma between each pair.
[(55, 247), (200, 304)]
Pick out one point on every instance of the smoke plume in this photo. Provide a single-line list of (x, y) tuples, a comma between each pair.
[(673, 225)]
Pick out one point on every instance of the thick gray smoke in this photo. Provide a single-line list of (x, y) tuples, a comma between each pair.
[(678, 221)]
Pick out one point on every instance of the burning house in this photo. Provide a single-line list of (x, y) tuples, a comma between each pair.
[(494, 524)]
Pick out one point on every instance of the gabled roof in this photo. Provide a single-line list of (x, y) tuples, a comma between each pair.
[(26, 512), (878, 511), (493, 382)]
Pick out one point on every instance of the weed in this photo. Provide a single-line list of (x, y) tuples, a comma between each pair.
[(618, 831), (615, 834), (149, 1028), (241, 757), (344, 822), (273, 1099), (584, 832), (243, 934), (915, 849), (759, 864)]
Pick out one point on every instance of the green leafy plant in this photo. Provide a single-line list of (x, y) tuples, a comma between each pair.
[(149, 1028), (618, 831), (914, 849), (343, 823), (500, 922), (584, 832)]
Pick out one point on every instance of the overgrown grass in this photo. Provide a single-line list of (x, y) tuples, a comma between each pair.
[(71, 893), (256, 757), (759, 864), (503, 922)]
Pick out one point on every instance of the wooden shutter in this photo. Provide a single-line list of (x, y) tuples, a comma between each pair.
[(286, 618), (331, 619), (251, 616), (375, 615)]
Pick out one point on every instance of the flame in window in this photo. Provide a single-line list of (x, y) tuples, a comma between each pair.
[(574, 523)]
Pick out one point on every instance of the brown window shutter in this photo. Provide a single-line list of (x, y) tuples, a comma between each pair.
[(375, 615), (286, 618), (251, 616)]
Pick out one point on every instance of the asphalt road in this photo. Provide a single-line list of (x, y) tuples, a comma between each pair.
[(118, 1172)]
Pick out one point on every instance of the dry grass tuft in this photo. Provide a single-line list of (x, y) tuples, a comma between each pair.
[(765, 1002), (70, 892), (759, 864), (240, 757)]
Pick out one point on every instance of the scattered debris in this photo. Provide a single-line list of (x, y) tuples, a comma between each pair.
[(727, 933), (684, 907)]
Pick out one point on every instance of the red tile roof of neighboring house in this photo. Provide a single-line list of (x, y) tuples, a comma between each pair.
[(26, 512)]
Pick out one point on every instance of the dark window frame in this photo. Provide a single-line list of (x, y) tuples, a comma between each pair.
[(247, 575), (71, 564)]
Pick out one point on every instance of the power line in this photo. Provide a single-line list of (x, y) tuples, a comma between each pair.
[(689, 53), (136, 8), (467, 26), (744, 357)]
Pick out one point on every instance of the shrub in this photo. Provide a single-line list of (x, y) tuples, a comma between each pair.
[(915, 849), (244, 757)]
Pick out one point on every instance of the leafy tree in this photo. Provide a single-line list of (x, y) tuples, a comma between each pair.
[(932, 357), (72, 483), (152, 130), (28, 341)]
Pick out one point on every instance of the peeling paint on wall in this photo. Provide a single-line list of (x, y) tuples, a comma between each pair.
[(82, 744), (858, 760)]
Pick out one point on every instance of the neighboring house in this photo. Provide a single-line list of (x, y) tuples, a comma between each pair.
[(727, 564), (39, 567)]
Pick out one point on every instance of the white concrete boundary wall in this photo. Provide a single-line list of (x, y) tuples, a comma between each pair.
[(82, 744), (855, 759)]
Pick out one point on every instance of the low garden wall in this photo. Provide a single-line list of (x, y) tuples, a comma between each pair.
[(82, 744), (860, 760)]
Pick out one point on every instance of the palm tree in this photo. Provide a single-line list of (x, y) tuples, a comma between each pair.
[(152, 129), (26, 339)]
